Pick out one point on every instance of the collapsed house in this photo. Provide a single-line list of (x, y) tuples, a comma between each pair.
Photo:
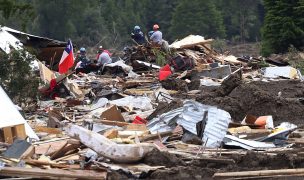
[(48, 50), (219, 115)]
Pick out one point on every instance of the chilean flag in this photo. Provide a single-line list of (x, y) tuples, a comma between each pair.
[(67, 59)]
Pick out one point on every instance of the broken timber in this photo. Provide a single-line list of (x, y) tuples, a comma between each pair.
[(244, 174), (51, 173)]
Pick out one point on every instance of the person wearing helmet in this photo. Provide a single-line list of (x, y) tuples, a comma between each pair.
[(150, 33), (82, 61), (104, 58), (138, 36), (100, 50), (157, 36)]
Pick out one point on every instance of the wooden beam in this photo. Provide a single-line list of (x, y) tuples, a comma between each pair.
[(8, 135), (113, 123), (259, 173), (51, 173), (154, 136), (19, 131)]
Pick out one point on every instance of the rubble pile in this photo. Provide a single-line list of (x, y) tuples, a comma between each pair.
[(212, 115)]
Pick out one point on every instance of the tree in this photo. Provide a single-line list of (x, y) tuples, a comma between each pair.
[(197, 17), (242, 19), (283, 26), (16, 13), (160, 12), (17, 77)]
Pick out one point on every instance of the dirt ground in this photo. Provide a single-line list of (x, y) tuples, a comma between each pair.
[(176, 168), (281, 99)]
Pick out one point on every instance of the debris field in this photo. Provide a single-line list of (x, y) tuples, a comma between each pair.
[(197, 115)]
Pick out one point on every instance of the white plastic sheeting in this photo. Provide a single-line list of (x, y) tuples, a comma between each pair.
[(140, 102), (105, 147), (7, 41), (128, 69), (10, 116), (191, 39), (286, 71)]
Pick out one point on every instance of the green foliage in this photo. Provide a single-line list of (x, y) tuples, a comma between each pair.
[(17, 77), (197, 17), (294, 59), (160, 57), (16, 13), (283, 26), (242, 19), (110, 22)]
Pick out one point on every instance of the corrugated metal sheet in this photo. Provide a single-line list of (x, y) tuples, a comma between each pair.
[(165, 122), (193, 112), (216, 127), (189, 115), (246, 144)]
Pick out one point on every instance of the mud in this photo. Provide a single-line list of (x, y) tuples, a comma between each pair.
[(200, 169), (280, 99), (182, 172), (157, 158)]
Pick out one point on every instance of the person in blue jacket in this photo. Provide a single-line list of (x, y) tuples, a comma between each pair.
[(138, 35)]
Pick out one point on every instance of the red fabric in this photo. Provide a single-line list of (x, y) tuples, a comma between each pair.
[(164, 72), (139, 120), (53, 84)]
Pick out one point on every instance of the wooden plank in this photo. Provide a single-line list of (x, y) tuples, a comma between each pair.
[(49, 147), (111, 133), (271, 177), (154, 136), (68, 157), (28, 153), (259, 173), (52, 173), (8, 135), (56, 153), (19, 131), (136, 127), (40, 163), (112, 113), (45, 73), (48, 130), (69, 149), (113, 123)]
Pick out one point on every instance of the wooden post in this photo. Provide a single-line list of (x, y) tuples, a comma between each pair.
[(19, 131), (8, 135)]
